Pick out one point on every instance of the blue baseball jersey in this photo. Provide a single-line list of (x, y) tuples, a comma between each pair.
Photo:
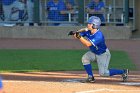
[(98, 42), (7, 2), (71, 2), (97, 7), (54, 11)]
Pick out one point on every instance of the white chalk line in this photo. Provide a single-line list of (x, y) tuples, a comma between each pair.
[(131, 83), (105, 89), (124, 83), (71, 80), (12, 81), (90, 91)]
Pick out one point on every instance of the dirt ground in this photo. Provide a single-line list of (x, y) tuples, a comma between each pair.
[(68, 81)]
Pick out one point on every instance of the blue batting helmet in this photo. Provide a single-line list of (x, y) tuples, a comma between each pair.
[(96, 21)]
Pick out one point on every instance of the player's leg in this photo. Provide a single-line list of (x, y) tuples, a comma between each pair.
[(124, 73), (30, 10), (103, 62), (115, 71), (21, 7), (86, 59), (7, 12)]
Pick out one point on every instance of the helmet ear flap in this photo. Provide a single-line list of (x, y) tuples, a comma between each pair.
[(94, 26)]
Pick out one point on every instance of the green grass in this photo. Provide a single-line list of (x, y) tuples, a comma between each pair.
[(14, 60)]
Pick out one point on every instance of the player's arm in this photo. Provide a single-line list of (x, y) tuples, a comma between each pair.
[(80, 36), (63, 9), (85, 42), (101, 11)]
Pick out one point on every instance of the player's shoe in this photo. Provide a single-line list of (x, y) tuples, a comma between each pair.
[(89, 80), (125, 75)]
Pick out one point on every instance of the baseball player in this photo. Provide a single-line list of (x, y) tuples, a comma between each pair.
[(94, 39), (96, 8), (8, 5), (56, 11)]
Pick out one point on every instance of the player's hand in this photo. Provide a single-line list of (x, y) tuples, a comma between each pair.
[(77, 35), (48, 8), (71, 33)]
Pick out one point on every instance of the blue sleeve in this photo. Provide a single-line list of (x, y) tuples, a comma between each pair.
[(71, 2), (83, 34), (8, 2), (90, 5), (48, 4), (102, 4), (62, 6)]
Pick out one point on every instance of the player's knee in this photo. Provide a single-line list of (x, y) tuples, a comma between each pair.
[(85, 61), (103, 74)]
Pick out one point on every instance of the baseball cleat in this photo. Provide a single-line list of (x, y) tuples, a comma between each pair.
[(125, 75), (89, 80)]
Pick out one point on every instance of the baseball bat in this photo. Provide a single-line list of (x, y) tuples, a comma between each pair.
[(82, 30), (78, 31)]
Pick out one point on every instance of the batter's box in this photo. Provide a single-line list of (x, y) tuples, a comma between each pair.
[(74, 80)]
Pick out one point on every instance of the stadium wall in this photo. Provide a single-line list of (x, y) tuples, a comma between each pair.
[(48, 32)]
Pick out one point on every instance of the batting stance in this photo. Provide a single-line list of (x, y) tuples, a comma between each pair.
[(93, 38)]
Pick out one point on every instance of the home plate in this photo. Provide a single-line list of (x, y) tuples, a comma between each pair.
[(131, 83), (72, 80)]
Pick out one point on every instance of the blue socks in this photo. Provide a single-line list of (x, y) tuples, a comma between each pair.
[(115, 72), (88, 69)]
